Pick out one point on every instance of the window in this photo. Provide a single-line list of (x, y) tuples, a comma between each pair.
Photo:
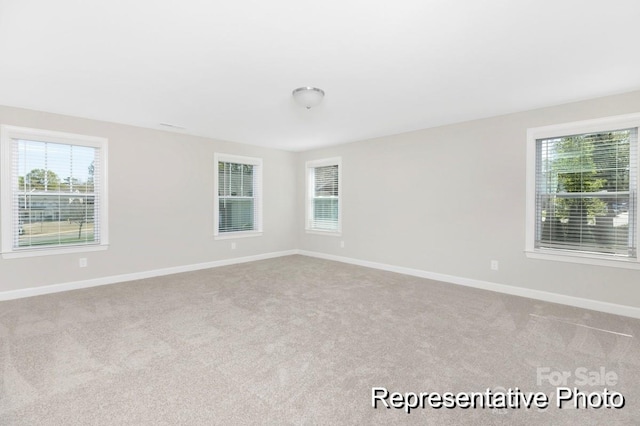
[(238, 204), (53, 192), (323, 210), (582, 190)]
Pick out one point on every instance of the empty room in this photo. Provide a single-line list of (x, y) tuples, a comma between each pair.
[(295, 212)]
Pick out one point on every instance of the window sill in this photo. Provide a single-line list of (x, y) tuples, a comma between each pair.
[(326, 233), (52, 251), (583, 258), (234, 235)]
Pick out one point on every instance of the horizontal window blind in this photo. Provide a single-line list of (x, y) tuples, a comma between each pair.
[(238, 203), (586, 193), (325, 198), (55, 194)]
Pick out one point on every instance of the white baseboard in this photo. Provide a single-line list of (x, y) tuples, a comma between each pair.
[(610, 308), (55, 288), (579, 302)]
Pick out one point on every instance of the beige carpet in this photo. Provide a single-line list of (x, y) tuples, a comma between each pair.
[(297, 340)]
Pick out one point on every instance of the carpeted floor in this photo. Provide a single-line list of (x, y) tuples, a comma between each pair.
[(298, 340)]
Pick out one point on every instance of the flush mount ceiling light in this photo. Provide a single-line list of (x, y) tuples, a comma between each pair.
[(308, 96)]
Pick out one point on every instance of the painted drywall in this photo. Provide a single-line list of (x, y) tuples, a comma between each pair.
[(445, 200), (449, 200), (160, 204)]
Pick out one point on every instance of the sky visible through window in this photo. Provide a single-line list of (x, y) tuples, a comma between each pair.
[(64, 160)]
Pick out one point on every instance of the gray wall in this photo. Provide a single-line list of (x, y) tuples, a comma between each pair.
[(160, 203), (450, 199), (444, 200)]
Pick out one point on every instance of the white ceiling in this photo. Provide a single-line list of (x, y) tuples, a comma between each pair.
[(226, 69)]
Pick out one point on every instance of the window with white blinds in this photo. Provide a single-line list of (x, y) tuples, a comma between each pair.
[(52, 191), (586, 191), (238, 207), (323, 195)]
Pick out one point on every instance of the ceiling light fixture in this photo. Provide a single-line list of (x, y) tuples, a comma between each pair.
[(308, 96)]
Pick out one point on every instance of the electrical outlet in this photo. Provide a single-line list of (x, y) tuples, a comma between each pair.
[(494, 265), (233, 246), (83, 262), (341, 244)]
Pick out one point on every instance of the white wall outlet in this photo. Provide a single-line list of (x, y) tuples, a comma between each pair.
[(233, 246), (341, 244), (83, 262), (494, 265)]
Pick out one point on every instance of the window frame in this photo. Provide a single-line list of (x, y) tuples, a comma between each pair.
[(575, 128), (310, 166), (257, 195), (7, 134)]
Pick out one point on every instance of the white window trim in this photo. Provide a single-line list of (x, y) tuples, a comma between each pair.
[(7, 134), (573, 128), (309, 166), (229, 158)]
